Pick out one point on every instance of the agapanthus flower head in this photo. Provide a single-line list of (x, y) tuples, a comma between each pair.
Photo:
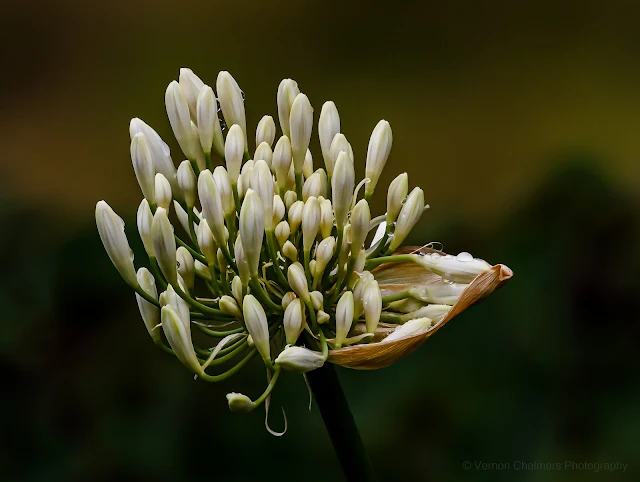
[(273, 257)]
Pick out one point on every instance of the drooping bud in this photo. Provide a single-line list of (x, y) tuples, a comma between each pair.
[(241, 261), (206, 241), (328, 127), (322, 317), (150, 313), (299, 360), (264, 188), (229, 306), (290, 251), (295, 215), (278, 209), (395, 196), (163, 191), (360, 222), (281, 161), (344, 317), (315, 185), (298, 281), (209, 129), (287, 92), (252, 229), (293, 320), (256, 321), (301, 123), (338, 145), (232, 105), (377, 154), (111, 230), (160, 152), (221, 178), (233, 151), (410, 328), (462, 268), (324, 253), (326, 218), (282, 232), (180, 119), (310, 223), (144, 219), (164, 245), (179, 338), (263, 152), (186, 266), (372, 304), (342, 184), (212, 206), (239, 403), (408, 217), (143, 165), (190, 84), (187, 182), (266, 131)]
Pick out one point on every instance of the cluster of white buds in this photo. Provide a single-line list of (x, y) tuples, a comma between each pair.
[(273, 253)]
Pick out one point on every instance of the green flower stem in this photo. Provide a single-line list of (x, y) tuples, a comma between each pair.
[(269, 389), (312, 314), (155, 269), (146, 296), (227, 356), (397, 297), (193, 252), (207, 160), (274, 257), (232, 371), (263, 296), (192, 230), (391, 318), (194, 166), (299, 185), (381, 244), (200, 306), (220, 334), (398, 258), (340, 424)]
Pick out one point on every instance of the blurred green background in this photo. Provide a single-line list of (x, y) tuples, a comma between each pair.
[(520, 120)]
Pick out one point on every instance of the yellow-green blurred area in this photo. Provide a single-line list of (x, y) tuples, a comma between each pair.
[(519, 119)]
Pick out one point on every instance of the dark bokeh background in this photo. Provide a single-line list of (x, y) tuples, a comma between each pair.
[(520, 122)]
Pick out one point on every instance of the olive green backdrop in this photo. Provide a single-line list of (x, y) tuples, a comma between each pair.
[(519, 119)]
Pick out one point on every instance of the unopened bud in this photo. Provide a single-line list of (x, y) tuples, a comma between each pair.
[(144, 219), (288, 297), (278, 209), (339, 144), (246, 179), (315, 185), (190, 84), (360, 222), (206, 241), (342, 184), (295, 215), (256, 321), (289, 198), (326, 218), (360, 262), (307, 167), (410, 328), (310, 223), (298, 281), (186, 266), (316, 300), (299, 360), (142, 160), (225, 190), (229, 306), (395, 196), (344, 318), (212, 206), (187, 182), (209, 129), (111, 230), (233, 151), (236, 289), (300, 124), (163, 191), (328, 127), (164, 245), (264, 188), (462, 268), (281, 161), (203, 269), (287, 92), (150, 313), (377, 154), (372, 304), (264, 153), (408, 217), (241, 261), (232, 105), (180, 119), (252, 229), (179, 337), (160, 152), (293, 320), (324, 253), (290, 251), (322, 317), (240, 403), (266, 131), (282, 232)]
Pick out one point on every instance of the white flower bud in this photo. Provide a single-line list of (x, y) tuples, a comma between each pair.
[(310, 223), (170, 297), (160, 152), (232, 105), (307, 167), (338, 145), (372, 305), (287, 92), (246, 179), (241, 261), (222, 261), (278, 209), (442, 293), (342, 184), (212, 206), (290, 251), (183, 217), (179, 117), (410, 328), (203, 269), (163, 191), (266, 131), (282, 232), (293, 320), (264, 188), (315, 185), (233, 151), (190, 84), (322, 317), (436, 313), (229, 306), (289, 198), (377, 154), (360, 222), (316, 300), (256, 321), (344, 318), (252, 229), (462, 268), (312, 267), (328, 127), (360, 262), (225, 190), (298, 281), (209, 130), (324, 253), (326, 218), (144, 219), (164, 245), (358, 293), (299, 360), (281, 160), (395, 196), (179, 338), (143, 165), (236, 289), (408, 217), (111, 230), (263, 152), (150, 313), (300, 124), (199, 153), (288, 297), (187, 182), (206, 241), (239, 403), (295, 215), (186, 266)]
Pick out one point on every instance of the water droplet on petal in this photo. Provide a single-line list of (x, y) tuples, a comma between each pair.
[(464, 257)]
